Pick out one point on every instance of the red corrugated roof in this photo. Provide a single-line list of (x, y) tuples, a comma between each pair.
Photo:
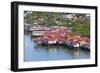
[(57, 36)]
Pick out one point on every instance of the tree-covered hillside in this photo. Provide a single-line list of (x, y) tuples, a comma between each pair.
[(79, 23)]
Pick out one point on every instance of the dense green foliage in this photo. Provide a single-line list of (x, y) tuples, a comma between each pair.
[(80, 26), (43, 18)]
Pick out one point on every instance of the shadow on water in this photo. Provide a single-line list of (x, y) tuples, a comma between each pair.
[(74, 52)]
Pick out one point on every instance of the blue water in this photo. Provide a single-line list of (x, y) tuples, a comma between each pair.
[(34, 52)]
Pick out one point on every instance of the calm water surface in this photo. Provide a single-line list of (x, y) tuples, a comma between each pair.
[(34, 52)]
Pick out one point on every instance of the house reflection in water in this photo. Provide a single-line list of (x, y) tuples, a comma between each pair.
[(74, 53), (77, 53)]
